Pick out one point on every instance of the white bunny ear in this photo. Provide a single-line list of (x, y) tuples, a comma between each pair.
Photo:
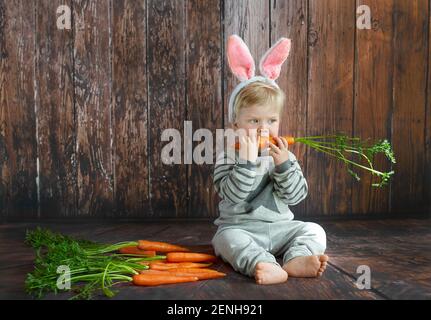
[(239, 58), (273, 59)]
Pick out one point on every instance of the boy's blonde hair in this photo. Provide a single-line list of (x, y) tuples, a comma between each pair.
[(259, 93)]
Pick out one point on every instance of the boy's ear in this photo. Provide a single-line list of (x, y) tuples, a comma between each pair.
[(273, 59)]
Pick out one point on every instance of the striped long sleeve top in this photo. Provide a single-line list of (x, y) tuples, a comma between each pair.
[(257, 190)]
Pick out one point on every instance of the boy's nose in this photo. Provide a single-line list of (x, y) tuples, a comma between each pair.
[(263, 130)]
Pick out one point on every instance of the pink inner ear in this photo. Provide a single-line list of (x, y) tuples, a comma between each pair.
[(239, 58), (273, 59)]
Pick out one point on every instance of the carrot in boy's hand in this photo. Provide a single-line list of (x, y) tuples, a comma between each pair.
[(160, 246), (262, 141), (341, 147), (189, 257)]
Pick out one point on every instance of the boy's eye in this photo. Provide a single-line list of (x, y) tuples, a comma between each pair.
[(272, 120), (253, 121)]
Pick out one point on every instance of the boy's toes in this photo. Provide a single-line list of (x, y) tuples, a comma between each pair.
[(269, 273), (323, 258), (258, 275), (258, 280), (323, 263)]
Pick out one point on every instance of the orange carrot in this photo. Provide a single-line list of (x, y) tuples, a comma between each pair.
[(262, 140), (160, 246), (147, 263), (193, 270), (189, 257), (170, 265), (152, 271), (158, 279), (136, 250), (200, 275)]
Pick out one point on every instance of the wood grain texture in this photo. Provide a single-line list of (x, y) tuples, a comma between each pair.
[(56, 119), (92, 78), (289, 19), (18, 142), (204, 97), (166, 85), (398, 260), (330, 101), (408, 115), (249, 19), (427, 175), (4, 165), (130, 106), (395, 250), (82, 111), (373, 100)]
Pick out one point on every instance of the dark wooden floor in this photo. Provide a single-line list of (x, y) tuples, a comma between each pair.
[(397, 252)]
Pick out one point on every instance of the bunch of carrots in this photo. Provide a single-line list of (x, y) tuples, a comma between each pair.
[(180, 265), (94, 266)]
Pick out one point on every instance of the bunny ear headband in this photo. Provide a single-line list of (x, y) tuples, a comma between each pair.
[(242, 66)]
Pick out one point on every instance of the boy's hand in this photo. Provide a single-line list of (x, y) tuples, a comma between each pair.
[(249, 148), (280, 153)]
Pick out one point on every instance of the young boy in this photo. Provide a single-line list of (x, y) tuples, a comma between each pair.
[(256, 223)]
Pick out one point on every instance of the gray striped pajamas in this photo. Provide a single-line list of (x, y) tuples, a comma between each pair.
[(255, 222)]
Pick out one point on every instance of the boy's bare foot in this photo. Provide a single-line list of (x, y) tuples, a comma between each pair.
[(269, 273), (307, 266)]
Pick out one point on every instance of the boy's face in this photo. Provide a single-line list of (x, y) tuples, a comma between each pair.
[(259, 118)]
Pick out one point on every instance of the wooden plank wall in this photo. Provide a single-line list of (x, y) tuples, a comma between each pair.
[(82, 110)]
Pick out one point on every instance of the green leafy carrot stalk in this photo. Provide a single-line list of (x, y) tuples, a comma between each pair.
[(92, 267), (341, 146)]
